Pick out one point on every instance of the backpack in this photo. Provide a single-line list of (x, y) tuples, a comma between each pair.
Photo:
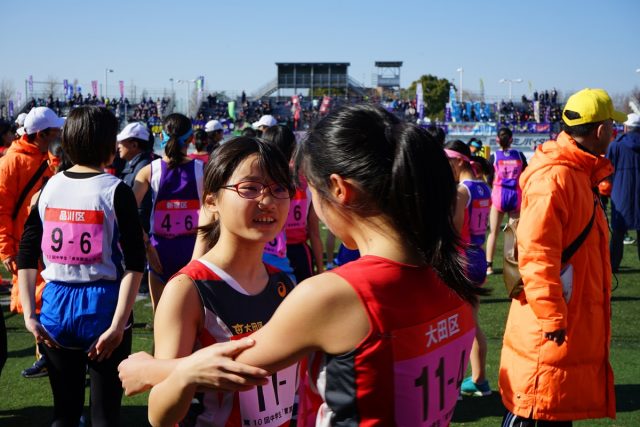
[(511, 274)]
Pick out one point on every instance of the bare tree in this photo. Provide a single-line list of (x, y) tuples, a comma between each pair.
[(623, 101), (7, 89)]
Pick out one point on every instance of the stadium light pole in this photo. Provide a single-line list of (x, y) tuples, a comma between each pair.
[(510, 82), (188, 83), (460, 70), (106, 80)]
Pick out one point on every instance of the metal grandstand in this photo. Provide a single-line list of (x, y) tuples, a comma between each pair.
[(314, 78)]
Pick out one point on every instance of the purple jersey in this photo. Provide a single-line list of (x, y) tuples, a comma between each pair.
[(508, 166), (176, 195), (474, 229), (476, 215)]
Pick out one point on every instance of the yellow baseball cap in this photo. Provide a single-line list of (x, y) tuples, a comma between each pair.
[(590, 106)]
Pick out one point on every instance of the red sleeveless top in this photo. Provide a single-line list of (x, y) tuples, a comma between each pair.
[(409, 368)]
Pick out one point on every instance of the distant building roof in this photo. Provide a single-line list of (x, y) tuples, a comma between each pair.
[(314, 63), (388, 63)]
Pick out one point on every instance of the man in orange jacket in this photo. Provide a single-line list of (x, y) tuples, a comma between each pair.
[(23, 170), (555, 356)]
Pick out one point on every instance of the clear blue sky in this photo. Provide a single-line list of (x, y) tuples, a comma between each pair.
[(567, 44)]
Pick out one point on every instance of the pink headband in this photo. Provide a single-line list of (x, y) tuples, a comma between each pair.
[(475, 166), (452, 154)]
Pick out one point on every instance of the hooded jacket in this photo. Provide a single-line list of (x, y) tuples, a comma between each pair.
[(624, 153), (538, 378), (17, 167)]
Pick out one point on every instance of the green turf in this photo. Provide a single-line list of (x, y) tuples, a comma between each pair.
[(29, 402)]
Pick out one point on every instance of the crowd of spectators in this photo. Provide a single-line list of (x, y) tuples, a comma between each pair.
[(546, 103), (148, 108), (542, 107)]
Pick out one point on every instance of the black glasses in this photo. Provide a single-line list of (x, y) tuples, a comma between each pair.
[(252, 189)]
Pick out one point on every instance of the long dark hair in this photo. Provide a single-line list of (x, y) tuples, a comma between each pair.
[(176, 126), (403, 174), (226, 159), (282, 137)]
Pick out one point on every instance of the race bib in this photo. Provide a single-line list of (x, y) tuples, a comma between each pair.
[(510, 169), (270, 404), (72, 236), (172, 218), (480, 209), (277, 246), (430, 361), (298, 211)]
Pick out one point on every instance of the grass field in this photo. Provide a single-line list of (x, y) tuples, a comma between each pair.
[(29, 402)]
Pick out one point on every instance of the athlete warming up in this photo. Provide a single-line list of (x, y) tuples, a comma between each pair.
[(506, 194), (471, 217), (393, 329), (91, 243), (176, 189)]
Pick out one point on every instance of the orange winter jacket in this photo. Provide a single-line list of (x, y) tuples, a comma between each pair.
[(538, 378), (17, 167)]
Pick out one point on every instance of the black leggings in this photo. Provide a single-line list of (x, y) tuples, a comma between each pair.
[(67, 373), (3, 341), (301, 260), (511, 420)]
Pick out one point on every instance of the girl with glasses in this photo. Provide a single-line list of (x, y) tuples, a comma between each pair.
[(228, 293)]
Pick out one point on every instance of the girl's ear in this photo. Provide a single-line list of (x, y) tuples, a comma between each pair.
[(342, 190), (211, 203)]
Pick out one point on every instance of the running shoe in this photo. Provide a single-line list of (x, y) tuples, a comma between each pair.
[(469, 388), (489, 269), (628, 240), (37, 370)]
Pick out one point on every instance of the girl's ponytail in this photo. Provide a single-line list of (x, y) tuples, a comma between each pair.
[(176, 133), (421, 201), (405, 176)]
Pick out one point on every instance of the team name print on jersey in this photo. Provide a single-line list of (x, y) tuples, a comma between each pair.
[(428, 375)]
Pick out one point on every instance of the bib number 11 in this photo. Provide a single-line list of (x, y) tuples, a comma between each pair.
[(423, 382)]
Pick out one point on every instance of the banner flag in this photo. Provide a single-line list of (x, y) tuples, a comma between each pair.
[(121, 83), (420, 101), (94, 87), (231, 108)]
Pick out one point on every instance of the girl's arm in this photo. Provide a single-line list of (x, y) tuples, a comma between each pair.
[(279, 343), (141, 183), (27, 264), (133, 252), (175, 329), (313, 225), (112, 337), (461, 206)]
